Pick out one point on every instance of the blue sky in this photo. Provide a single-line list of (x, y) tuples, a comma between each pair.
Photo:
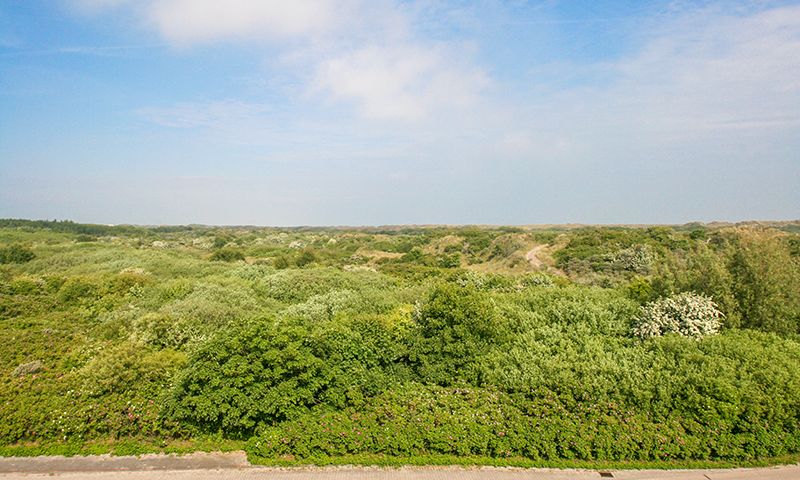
[(369, 112)]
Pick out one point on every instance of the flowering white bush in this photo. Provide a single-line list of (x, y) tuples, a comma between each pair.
[(325, 306), (688, 314)]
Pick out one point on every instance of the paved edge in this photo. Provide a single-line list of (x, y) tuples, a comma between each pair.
[(209, 461)]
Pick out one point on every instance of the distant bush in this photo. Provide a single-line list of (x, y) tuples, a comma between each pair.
[(162, 331), (636, 258), (298, 285), (640, 289), (503, 246), (326, 306), (483, 281), (16, 254), (282, 261), (197, 314), (227, 255), (452, 260), (306, 256), (77, 289), (220, 242), (26, 285), (687, 314), (28, 368)]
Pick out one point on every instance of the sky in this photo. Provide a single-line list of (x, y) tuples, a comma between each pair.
[(377, 112)]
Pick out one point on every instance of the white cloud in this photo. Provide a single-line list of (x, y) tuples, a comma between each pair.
[(404, 82), (400, 76), (191, 21), (188, 22)]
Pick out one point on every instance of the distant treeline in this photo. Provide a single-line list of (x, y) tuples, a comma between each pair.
[(68, 226)]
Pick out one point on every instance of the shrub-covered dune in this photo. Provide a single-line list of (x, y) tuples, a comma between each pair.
[(656, 344)]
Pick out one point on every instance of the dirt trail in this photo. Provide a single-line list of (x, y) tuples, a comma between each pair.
[(533, 258)]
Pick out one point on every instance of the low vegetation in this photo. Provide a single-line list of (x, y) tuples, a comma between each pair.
[(652, 344)]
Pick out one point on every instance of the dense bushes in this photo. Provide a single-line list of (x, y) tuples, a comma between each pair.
[(418, 420), (412, 419), (253, 373), (265, 372), (751, 275)]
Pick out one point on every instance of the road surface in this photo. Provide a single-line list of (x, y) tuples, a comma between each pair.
[(234, 466)]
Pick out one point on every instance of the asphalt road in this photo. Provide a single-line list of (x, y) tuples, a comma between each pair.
[(234, 466)]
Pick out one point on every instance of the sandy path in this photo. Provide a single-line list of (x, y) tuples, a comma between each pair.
[(532, 256)]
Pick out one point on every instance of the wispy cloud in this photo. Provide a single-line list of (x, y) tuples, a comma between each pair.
[(207, 115), (92, 50)]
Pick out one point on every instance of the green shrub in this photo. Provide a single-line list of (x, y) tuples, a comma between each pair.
[(703, 269), (282, 261), (766, 282), (452, 260), (227, 255), (115, 339), (78, 289), (27, 285), (265, 372), (364, 355), (326, 306), (163, 331), (306, 257), (249, 374), (200, 312), (640, 289), (129, 367), (295, 285), (454, 328), (16, 254)]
